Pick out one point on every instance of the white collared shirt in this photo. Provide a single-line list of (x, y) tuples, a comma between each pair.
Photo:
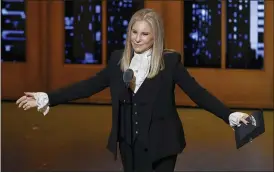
[(140, 64)]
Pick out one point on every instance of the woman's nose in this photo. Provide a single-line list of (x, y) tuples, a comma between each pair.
[(137, 38)]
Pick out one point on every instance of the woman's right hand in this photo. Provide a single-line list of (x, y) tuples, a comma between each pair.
[(27, 101)]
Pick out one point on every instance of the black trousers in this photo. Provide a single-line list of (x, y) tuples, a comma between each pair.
[(136, 159)]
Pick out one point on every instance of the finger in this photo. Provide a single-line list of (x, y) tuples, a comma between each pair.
[(244, 121), (27, 107), (28, 103), (27, 100), (29, 94), (23, 103), (21, 99)]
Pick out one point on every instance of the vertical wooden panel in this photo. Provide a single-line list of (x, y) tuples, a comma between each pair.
[(156, 5), (269, 38), (104, 33), (33, 80), (223, 41), (44, 65), (173, 22)]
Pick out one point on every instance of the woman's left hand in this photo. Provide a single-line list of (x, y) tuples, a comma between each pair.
[(237, 117)]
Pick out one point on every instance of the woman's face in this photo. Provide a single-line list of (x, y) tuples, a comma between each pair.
[(141, 36)]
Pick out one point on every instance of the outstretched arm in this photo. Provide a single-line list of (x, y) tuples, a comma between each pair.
[(202, 97), (74, 91), (43, 101), (80, 89)]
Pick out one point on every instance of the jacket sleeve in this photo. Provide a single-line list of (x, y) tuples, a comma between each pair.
[(84, 88), (197, 93)]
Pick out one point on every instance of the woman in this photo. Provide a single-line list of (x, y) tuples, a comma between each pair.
[(145, 122)]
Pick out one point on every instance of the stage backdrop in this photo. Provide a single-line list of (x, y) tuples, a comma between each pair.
[(227, 46)]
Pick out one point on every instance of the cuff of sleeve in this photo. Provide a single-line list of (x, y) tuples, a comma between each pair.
[(42, 102)]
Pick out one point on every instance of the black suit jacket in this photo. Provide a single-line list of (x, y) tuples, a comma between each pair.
[(163, 129)]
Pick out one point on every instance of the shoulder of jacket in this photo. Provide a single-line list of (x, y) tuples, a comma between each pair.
[(171, 55), (170, 51), (118, 53), (116, 56)]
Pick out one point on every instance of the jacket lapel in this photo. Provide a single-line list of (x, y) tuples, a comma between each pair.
[(149, 89)]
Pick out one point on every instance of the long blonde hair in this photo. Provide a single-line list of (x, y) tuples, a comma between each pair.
[(156, 23)]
